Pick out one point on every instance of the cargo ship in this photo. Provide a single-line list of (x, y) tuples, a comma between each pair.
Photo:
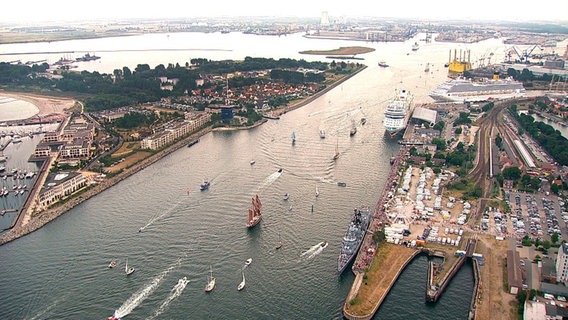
[(467, 90), (254, 214), (353, 238), (398, 112)]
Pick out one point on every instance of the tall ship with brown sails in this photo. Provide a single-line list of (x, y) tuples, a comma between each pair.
[(254, 214)]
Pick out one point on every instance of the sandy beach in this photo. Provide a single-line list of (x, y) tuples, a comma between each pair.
[(47, 105)]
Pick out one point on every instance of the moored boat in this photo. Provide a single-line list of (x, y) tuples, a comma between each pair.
[(398, 112), (254, 214), (353, 237), (383, 64), (112, 264), (467, 90)]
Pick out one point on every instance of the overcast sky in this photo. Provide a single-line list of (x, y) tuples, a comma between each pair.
[(76, 10)]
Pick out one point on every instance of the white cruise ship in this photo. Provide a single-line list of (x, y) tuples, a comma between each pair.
[(398, 112), (466, 90)]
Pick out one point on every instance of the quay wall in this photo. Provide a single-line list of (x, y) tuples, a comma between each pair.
[(476, 290), (355, 288)]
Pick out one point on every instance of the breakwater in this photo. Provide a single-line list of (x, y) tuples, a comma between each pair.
[(51, 214)]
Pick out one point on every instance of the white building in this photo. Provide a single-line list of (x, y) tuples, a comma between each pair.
[(562, 264), (59, 186), (174, 131)]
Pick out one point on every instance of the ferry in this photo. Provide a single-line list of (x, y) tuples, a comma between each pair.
[(353, 238), (467, 90), (398, 112)]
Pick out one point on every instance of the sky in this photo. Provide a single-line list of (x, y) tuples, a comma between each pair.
[(31, 11)]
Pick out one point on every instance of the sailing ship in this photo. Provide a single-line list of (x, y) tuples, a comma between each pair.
[(353, 237), (128, 270), (210, 281), (242, 284), (254, 214), (279, 243), (317, 191)]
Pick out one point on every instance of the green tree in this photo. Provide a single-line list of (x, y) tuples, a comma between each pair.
[(512, 173)]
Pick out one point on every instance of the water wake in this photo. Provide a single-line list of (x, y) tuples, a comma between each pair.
[(136, 299), (161, 215), (313, 251), (174, 293), (269, 180)]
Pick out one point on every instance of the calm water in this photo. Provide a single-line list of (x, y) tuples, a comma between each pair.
[(60, 271)]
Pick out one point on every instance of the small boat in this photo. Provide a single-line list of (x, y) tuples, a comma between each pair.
[(415, 46), (342, 184), (286, 196), (383, 64), (192, 143), (363, 121), (248, 262), (353, 130), (293, 137), (336, 156), (242, 284), (252, 162), (113, 318), (323, 244), (112, 264), (210, 281), (128, 270), (317, 191), (279, 243), (280, 170), (205, 185), (322, 134)]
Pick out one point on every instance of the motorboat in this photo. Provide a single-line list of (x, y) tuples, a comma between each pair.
[(242, 284), (252, 162), (248, 262), (280, 170), (342, 184), (323, 244), (286, 196), (322, 134), (205, 185), (112, 264)]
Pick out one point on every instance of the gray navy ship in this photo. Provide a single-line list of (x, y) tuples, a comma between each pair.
[(353, 237)]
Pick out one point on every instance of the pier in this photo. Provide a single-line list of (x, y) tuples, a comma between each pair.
[(434, 290)]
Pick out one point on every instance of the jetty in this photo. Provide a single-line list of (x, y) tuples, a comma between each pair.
[(437, 285)]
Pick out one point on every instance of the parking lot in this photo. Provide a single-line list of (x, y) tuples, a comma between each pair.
[(537, 215)]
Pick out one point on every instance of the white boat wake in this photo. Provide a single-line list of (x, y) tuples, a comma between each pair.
[(313, 251), (176, 292), (269, 180), (136, 299), (160, 216)]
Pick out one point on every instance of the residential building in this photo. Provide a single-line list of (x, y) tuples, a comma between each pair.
[(60, 185), (562, 264)]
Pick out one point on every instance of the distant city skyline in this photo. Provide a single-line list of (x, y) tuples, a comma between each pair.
[(31, 11)]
